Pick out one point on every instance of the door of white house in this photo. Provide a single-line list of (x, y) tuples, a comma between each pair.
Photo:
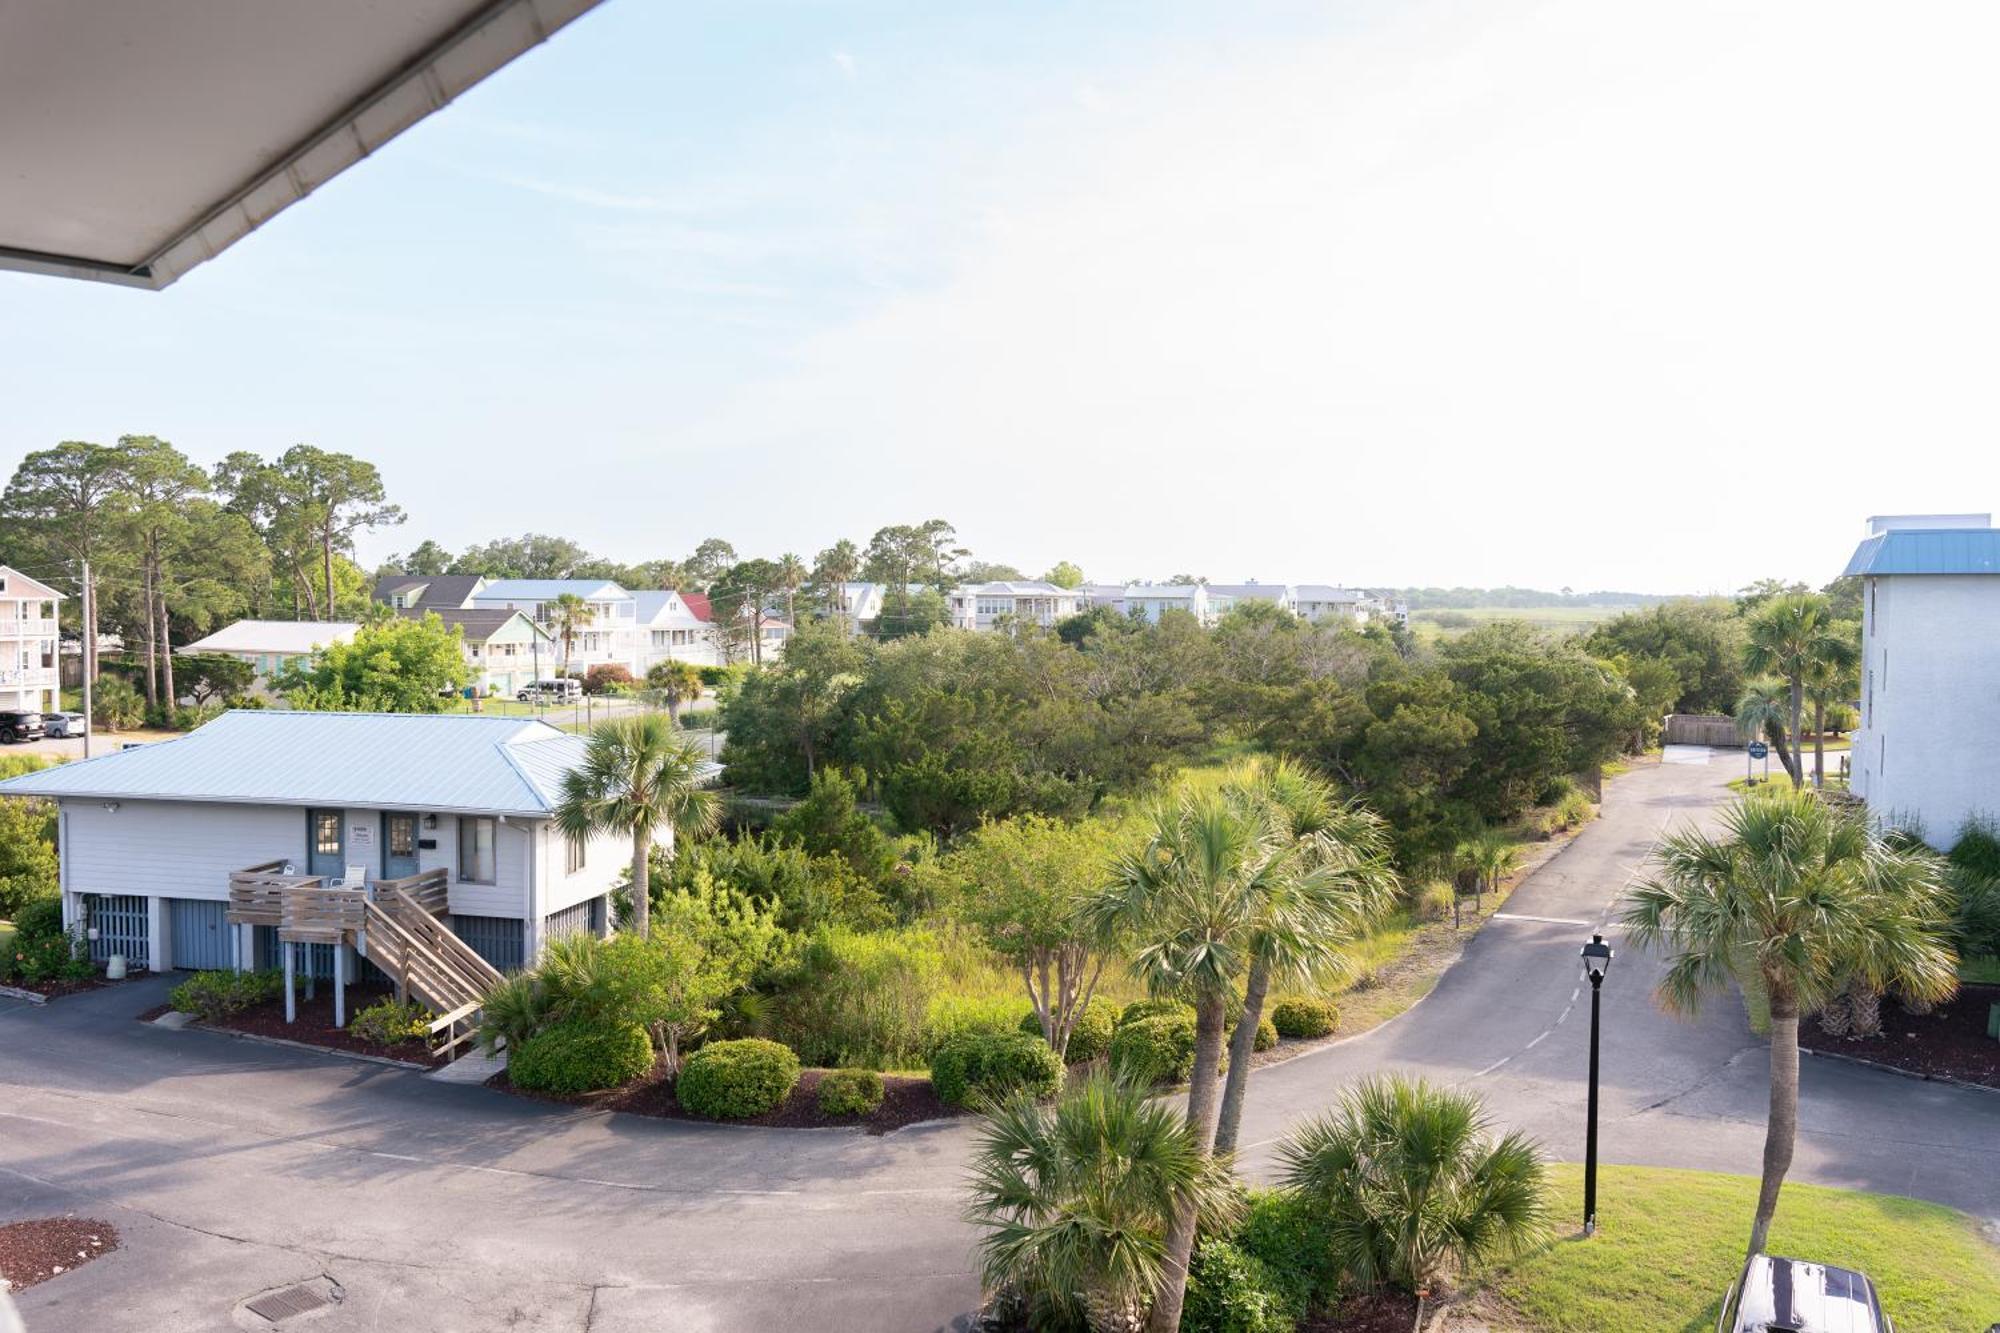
[(399, 846), (326, 844)]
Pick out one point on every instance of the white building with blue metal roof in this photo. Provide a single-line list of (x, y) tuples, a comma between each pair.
[(1928, 750), (456, 809)]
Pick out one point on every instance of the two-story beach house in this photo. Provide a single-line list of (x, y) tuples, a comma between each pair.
[(982, 606), (28, 676), (420, 844)]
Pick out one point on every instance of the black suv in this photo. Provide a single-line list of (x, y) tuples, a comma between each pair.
[(20, 727)]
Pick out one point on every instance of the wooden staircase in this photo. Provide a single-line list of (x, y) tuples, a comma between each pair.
[(393, 923)]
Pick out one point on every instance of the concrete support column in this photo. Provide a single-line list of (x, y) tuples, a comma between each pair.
[(159, 948), (246, 947), (340, 985), (291, 999)]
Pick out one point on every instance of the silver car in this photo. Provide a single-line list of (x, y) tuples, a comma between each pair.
[(1777, 1295)]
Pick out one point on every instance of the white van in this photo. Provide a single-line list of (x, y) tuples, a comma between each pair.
[(563, 690)]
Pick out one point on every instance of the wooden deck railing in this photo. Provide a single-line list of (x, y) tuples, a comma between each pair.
[(257, 894), (430, 890)]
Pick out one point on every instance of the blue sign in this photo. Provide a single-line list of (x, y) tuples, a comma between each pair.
[(1759, 750)]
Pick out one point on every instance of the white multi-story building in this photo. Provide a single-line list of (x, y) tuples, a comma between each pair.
[(29, 681), (1150, 600), (611, 637), (1226, 597), (1928, 751), (985, 605)]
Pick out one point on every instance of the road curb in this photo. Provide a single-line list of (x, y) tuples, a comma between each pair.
[(16, 993), (1894, 1069), (306, 1046)]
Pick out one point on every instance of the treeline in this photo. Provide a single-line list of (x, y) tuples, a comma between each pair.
[(1430, 599)]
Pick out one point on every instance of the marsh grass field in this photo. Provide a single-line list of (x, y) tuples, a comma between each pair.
[(1443, 622)]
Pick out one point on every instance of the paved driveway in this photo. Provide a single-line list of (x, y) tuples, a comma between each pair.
[(233, 1167)]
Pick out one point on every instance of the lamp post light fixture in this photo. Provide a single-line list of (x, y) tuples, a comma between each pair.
[(1596, 962)]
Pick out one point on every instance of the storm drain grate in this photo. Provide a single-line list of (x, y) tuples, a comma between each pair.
[(277, 1305)]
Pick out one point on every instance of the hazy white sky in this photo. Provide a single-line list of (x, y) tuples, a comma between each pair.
[(1660, 297)]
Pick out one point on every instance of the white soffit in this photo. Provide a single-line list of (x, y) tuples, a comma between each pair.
[(141, 137)]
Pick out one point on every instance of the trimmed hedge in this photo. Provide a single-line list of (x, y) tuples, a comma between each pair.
[(1155, 1050), (571, 1057), (1304, 1016), (390, 1021), (1287, 1233), (1090, 1037), (1232, 1291), (850, 1092), (210, 996), (1139, 1009), (992, 1066), (733, 1080), (1267, 1035)]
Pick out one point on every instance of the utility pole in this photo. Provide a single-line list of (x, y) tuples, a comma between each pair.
[(89, 657)]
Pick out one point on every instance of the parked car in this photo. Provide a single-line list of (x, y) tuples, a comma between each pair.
[(59, 725), (1801, 1297), (20, 727), (563, 690)]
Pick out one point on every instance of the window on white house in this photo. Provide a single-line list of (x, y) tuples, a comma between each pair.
[(326, 832), (575, 849), (477, 861)]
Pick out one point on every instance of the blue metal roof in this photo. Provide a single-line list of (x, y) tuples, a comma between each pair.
[(1928, 551), (407, 761)]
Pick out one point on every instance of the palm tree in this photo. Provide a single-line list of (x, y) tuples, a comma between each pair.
[(568, 613), (1339, 885), (1830, 679), (1488, 858), (636, 775), (1412, 1185), (678, 683), (1790, 636), (1075, 1201), (1761, 712), (1804, 895), (837, 566), (1192, 896), (791, 577)]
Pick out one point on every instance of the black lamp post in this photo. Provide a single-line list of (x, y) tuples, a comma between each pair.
[(1596, 962)]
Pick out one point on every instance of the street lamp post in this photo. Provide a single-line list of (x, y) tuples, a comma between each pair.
[(1596, 962)]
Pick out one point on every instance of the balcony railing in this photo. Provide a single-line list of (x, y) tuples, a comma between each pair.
[(27, 629), (29, 676)]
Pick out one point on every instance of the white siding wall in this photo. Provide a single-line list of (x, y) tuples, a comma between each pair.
[(508, 895), (1929, 744), (607, 855), (173, 849)]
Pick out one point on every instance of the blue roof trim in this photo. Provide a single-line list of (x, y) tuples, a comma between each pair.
[(1928, 551)]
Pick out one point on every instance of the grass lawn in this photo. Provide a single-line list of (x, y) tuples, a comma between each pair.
[(1669, 1243), (1985, 970), (1560, 619)]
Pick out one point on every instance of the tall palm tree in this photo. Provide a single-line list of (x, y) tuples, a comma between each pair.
[(1413, 1185), (1075, 1201), (792, 575), (1338, 886), (678, 683), (636, 776), (1192, 896), (1488, 858), (1804, 894), (1789, 636), (1831, 678), (837, 566), (567, 614), (1760, 711)]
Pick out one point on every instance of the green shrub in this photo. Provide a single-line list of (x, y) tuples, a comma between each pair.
[(733, 1080), (1304, 1016), (1281, 1229), (1155, 1050), (850, 997), (1232, 1291), (849, 1092), (991, 1066), (953, 1015), (1139, 1009), (1978, 847), (27, 855), (576, 1056), (42, 950), (212, 996), (515, 1009), (390, 1022), (1267, 1035), (1574, 809), (1433, 902), (1089, 1036)]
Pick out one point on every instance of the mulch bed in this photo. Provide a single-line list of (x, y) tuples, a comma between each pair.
[(1386, 1311), (157, 1011), (35, 1251), (905, 1101), (1948, 1042), (315, 1024), (55, 990)]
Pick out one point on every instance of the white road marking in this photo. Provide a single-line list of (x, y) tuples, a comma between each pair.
[(1495, 1065), (1537, 1041), (1573, 994), (1549, 920)]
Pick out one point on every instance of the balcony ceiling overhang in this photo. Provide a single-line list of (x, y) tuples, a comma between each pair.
[(139, 138)]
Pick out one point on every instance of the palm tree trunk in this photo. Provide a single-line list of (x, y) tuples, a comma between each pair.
[(152, 666), (167, 689), (1202, 1107), (326, 555), (1819, 743), (1798, 723), (1864, 1002), (1782, 1128), (642, 889), (1242, 1045)]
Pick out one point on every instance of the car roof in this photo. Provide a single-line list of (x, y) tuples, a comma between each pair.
[(1805, 1297)]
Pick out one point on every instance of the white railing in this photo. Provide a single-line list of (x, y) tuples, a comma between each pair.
[(29, 676), (27, 629)]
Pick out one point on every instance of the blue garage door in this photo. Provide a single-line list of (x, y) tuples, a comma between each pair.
[(497, 939), (200, 934), (120, 923)]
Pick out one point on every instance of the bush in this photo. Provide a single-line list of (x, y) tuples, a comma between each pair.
[(212, 996), (517, 1007), (732, 1080), (1267, 1035), (1139, 1009), (27, 855), (850, 1092), (1232, 1291), (391, 1022), (115, 704), (1155, 1050), (850, 997), (1089, 1036), (42, 949), (991, 1067), (1281, 1229), (1978, 847), (576, 1056), (1433, 902), (607, 678), (1305, 1016), (954, 1015)]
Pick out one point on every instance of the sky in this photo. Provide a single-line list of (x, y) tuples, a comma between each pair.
[(1662, 298)]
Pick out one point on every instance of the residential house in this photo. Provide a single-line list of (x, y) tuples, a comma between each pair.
[(28, 668), (428, 592), (1226, 597), (505, 650), (610, 637), (1320, 602), (1150, 600), (674, 627), (270, 646), (984, 605), (1928, 750), (420, 844)]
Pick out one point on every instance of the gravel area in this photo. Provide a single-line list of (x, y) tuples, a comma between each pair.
[(1948, 1042), (46, 1247), (906, 1100)]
